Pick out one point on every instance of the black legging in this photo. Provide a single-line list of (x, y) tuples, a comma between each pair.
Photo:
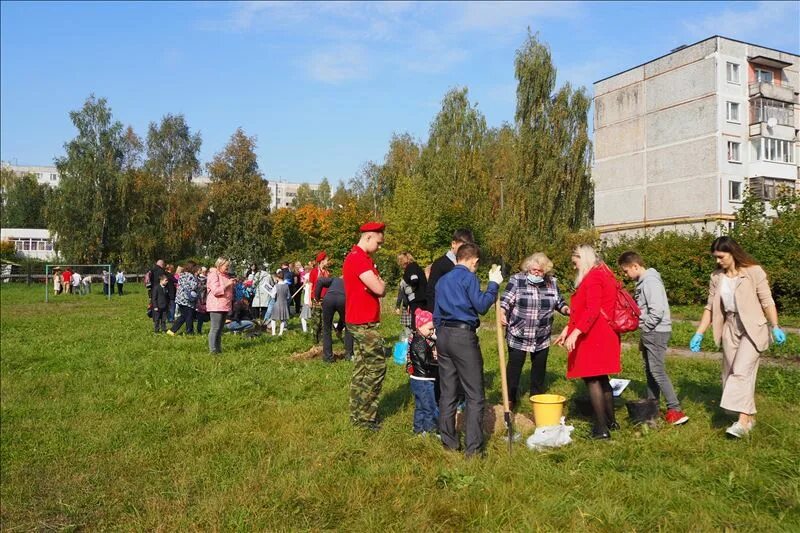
[(602, 400), (187, 316), (516, 360)]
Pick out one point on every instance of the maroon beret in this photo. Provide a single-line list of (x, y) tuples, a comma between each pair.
[(321, 256), (373, 226)]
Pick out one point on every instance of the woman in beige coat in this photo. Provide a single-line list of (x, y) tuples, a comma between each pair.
[(739, 305)]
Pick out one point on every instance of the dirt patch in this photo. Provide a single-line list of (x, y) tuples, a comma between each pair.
[(314, 353), (493, 421)]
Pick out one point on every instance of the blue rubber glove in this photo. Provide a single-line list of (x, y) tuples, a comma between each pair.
[(778, 335), (694, 344)]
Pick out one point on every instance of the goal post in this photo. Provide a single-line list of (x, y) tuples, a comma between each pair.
[(85, 271)]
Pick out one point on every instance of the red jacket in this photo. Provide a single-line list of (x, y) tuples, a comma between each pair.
[(597, 351)]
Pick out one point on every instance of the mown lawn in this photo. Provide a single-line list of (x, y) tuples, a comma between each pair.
[(106, 426)]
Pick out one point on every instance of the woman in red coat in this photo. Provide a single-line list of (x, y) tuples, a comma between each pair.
[(594, 348)]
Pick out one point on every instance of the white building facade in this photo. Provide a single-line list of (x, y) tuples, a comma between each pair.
[(32, 243), (283, 192), (45, 175), (678, 139)]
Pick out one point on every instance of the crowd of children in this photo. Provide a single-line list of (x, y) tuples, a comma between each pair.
[(263, 299), (69, 281)]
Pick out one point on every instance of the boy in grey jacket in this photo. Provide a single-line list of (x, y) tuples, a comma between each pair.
[(655, 324)]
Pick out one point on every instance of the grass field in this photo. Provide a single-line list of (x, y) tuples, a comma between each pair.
[(107, 426)]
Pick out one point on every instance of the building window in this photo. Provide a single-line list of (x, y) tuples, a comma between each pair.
[(763, 109), (776, 150), (763, 76), (53, 177), (732, 112), (735, 191), (734, 152), (18, 245), (733, 73)]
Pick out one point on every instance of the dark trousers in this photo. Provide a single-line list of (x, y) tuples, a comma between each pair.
[(159, 320), (330, 306), (298, 301), (119, 288), (201, 318), (460, 362), (187, 316), (516, 360)]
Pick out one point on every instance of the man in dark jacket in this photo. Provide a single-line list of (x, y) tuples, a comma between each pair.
[(416, 284), (445, 264), (332, 302), (155, 275)]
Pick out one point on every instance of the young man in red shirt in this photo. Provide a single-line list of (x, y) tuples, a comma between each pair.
[(363, 289)]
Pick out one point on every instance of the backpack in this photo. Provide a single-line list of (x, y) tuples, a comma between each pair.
[(148, 279), (626, 312)]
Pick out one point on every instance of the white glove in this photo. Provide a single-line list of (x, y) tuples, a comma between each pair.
[(495, 274)]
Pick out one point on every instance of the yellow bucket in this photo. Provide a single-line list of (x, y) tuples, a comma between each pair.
[(547, 409)]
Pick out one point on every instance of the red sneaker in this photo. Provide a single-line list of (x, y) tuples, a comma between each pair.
[(675, 417)]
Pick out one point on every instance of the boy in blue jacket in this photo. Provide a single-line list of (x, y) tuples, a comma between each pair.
[(459, 301)]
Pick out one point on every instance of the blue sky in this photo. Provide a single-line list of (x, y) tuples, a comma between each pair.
[(322, 85)]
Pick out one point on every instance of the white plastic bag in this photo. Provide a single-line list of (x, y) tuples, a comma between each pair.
[(550, 436)]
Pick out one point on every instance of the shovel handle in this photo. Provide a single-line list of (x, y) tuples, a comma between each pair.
[(501, 352)]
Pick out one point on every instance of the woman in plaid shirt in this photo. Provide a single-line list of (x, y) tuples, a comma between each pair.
[(527, 310)]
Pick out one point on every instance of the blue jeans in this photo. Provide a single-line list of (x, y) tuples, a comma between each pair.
[(244, 325), (426, 412), (268, 312)]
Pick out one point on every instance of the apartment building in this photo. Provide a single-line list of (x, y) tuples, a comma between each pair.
[(678, 139), (283, 192), (47, 175)]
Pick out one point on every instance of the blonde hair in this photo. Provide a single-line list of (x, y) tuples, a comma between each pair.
[(587, 260), (220, 261), (404, 259), (538, 259)]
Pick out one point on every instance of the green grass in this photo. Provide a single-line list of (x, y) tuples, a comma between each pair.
[(106, 426), (695, 312)]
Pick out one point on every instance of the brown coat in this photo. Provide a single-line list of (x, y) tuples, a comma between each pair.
[(753, 296)]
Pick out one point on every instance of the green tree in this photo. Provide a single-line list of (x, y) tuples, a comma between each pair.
[(23, 201), (238, 203), (341, 197), (173, 150), (451, 165), (323, 194), (549, 192), (84, 214), (305, 196)]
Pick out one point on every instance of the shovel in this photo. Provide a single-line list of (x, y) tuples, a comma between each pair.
[(501, 352)]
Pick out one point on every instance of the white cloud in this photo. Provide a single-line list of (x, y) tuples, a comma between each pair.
[(756, 22), (517, 15), (338, 64), (419, 37)]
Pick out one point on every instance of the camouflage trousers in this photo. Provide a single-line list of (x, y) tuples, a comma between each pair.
[(369, 369), (315, 322)]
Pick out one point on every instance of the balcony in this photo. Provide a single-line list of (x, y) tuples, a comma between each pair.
[(764, 109), (768, 188), (783, 93)]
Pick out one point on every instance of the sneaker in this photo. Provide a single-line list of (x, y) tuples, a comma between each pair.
[(738, 430), (170, 333), (675, 417)]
